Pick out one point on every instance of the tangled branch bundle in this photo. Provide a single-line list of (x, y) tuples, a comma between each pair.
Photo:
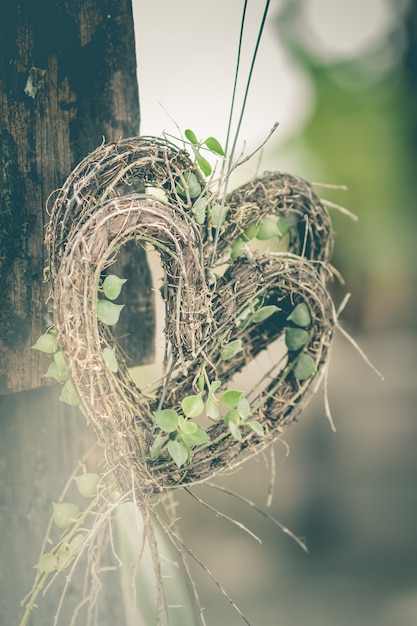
[(108, 200)]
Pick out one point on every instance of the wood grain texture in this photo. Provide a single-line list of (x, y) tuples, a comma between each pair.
[(67, 82)]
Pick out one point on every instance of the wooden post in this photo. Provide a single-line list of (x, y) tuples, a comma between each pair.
[(67, 83)]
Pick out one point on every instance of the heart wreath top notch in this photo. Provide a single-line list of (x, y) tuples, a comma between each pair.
[(225, 303)]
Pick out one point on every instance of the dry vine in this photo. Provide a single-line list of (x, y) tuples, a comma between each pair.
[(104, 204)]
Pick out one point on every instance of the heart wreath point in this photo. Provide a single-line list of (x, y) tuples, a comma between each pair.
[(215, 324)]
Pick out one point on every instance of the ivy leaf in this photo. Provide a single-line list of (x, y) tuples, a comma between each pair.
[(112, 286), (301, 315), (167, 420), (199, 210), (46, 343), (230, 399), (157, 446), (218, 212), (198, 438), (243, 408), (231, 349), (232, 416), (109, 357), (64, 513), (61, 365), (191, 183), (53, 372), (267, 229), (87, 484), (47, 563), (214, 145), (108, 312), (186, 426), (305, 367), (256, 427), (64, 559), (296, 338), (235, 431), (178, 452), (193, 405), (203, 164), (212, 410), (191, 136), (251, 231), (69, 395), (264, 312)]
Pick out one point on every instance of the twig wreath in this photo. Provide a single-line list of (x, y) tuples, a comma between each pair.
[(214, 325), (225, 301)]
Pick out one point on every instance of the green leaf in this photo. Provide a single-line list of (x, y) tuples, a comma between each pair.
[(230, 399), (64, 559), (112, 286), (212, 410), (61, 365), (284, 224), (47, 563), (186, 426), (75, 544), (87, 484), (301, 315), (192, 184), (108, 312), (214, 145), (167, 420), (109, 357), (231, 349), (69, 395), (218, 212), (305, 367), (157, 446), (237, 248), (296, 338), (235, 431), (264, 312), (198, 438), (203, 164), (201, 382), (191, 137), (199, 210), (178, 452), (64, 513), (193, 405), (256, 427), (232, 416), (46, 343), (53, 372), (214, 386), (267, 229), (250, 232), (243, 408)]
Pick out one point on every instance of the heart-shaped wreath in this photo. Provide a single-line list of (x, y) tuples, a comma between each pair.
[(225, 304)]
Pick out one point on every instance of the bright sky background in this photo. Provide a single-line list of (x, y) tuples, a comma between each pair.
[(187, 54)]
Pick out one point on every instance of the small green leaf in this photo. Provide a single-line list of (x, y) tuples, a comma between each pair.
[(199, 210), (64, 513), (201, 382), (218, 214), (53, 372), (214, 145), (237, 249), (178, 452), (256, 427), (267, 229), (69, 395), (232, 416), (192, 184), (214, 386), (230, 399), (108, 312), (264, 312), (191, 137), (284, 224), (47, 563), (212, 410), (61, 365), (157, 446), (296, 338), (301, 315), (87, 484), (75, 544), (305, 367), (243, 408), (250, 232), (203, 164), (193, 405), (109, 357), (112, 286), (198, 438), (186, 426), (46, 343), (235, 431), (231, 349), (167, 420), (64, 559)]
